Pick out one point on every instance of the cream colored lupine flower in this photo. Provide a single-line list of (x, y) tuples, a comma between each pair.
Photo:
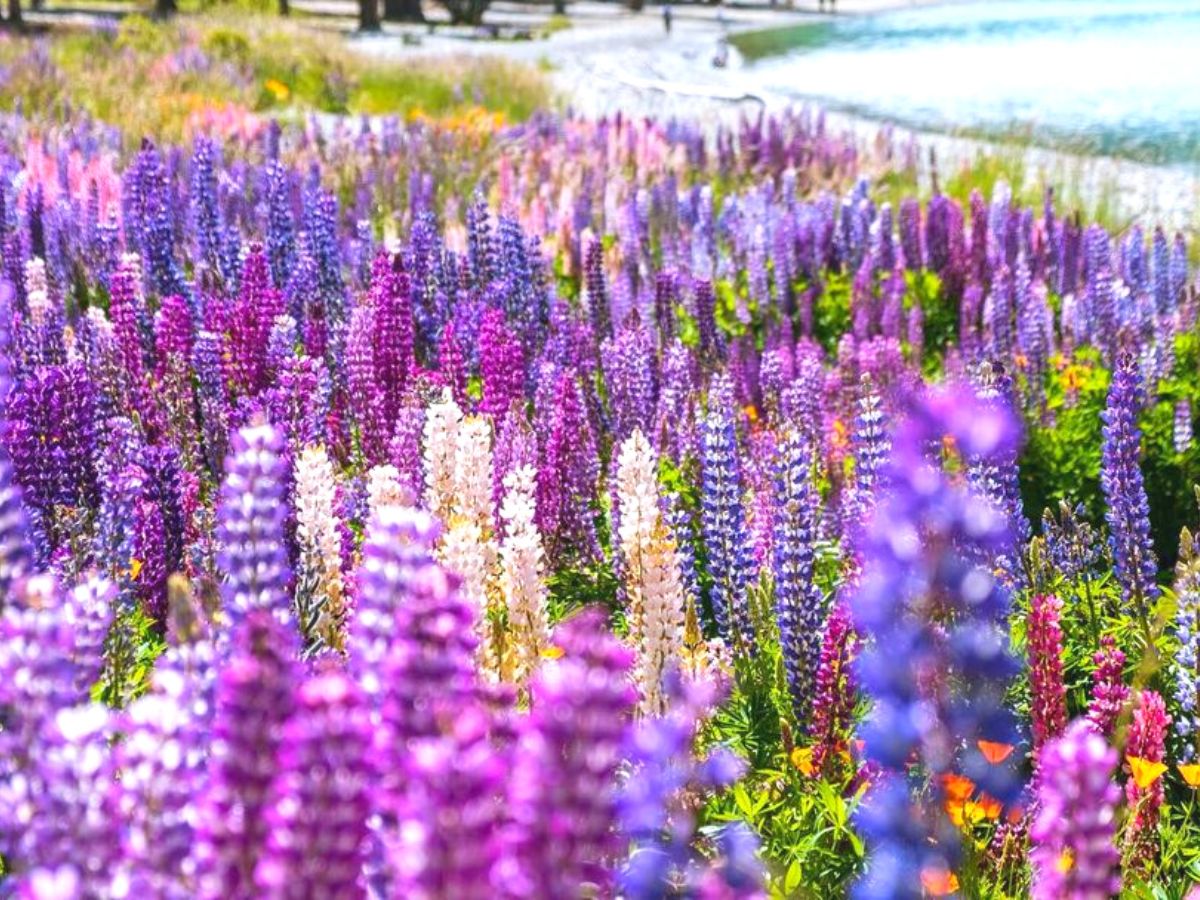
[(319, 538), (384, 489), (442, 421), (521, 560), (473, 471), (37, 290), (653, 580)]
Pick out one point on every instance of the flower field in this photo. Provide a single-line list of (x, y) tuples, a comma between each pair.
[(459, 509)]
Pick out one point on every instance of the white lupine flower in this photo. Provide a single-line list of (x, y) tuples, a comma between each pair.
[(521, 557), (384, 489), (470, 554), (319, 537), (473, 471), (653, 578), (442, 422)]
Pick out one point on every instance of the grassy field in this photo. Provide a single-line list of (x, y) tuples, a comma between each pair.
[(154, 78)]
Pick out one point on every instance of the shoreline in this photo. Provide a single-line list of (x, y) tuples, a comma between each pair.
[(605, 64)]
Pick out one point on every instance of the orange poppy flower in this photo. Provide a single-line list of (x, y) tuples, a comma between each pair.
[(994, 752), (1144, 771)]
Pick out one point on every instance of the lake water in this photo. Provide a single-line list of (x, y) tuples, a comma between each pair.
[(1119, 77)]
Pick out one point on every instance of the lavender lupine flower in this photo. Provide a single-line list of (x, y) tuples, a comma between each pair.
[(16, 554), (563, 784), (205, 208), (1109, 691), (321, 796), (723, 519), (1127, 511), (254, 699), (630, 380), (1181, 433), (871, 446), (919, 564), (1071, 542), (1073, 832), (57, 810), (1048, 708), (798, 600), (1146, 741), (250, 526), (1186, 667)]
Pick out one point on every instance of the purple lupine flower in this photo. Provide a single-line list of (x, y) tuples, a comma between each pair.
[(321, 797), (937, 684), (51, 438), (205, 203), (281, 236), (596, 291), (1071, 542), (501, 365), (798, 600), (456, 816), (250, 526), (1073, 831), (57, 809), (254, 699), (563, 783), (367, 398), (567, 475), (515, 447), (659, 826), (1127, 511), (723, 518), (1109, 691), (628, 361), (705, 305), (910, 234), (996, 477)]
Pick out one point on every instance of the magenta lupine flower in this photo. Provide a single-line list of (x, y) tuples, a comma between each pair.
[(1147, 741), (321, 796), (1049, 703), (501, 364), (391, 301), (254, 699), (1109, 691), (1073, 832), (563, 784), (836, 692)]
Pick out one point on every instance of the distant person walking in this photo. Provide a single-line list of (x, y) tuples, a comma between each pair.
[(667, 17)]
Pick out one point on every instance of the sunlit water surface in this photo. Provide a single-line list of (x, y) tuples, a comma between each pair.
[(1117, 77)]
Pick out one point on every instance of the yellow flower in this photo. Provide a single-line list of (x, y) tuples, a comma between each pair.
[(802, 760), (1065, 861), (1190, 773), (1145, 772), (277, 89), (552, 652), (135, 568)]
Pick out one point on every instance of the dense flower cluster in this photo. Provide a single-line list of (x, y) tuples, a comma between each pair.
[(391, 512)]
